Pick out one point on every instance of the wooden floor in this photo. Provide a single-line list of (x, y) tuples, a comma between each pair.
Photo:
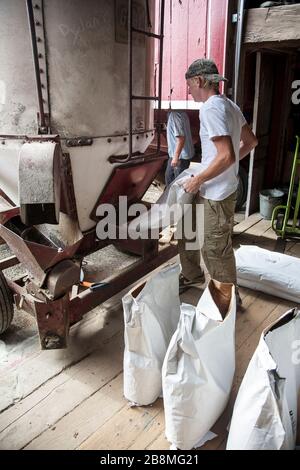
[(73, 399)]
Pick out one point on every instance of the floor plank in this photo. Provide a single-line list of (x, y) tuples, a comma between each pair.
[(153, 431), (246, 224), (123, 428), (159, 443), (78, 383), (75, 427), (27, 367), (73, 399)]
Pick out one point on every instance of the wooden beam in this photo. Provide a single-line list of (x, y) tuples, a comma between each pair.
[(283, 47), (272, 24), (255, 121), (264, 89), (241, 79)]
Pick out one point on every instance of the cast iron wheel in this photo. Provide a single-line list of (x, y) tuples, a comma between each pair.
[(6, 305), (242, 188)]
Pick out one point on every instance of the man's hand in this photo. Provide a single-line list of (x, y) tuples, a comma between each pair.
[(175, 162), (192, 185), (224, 159), (180, 140)]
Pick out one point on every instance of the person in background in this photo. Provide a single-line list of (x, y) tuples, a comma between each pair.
[(226, 138), (180, 145)]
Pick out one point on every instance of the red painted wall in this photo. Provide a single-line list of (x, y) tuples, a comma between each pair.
[(193, 29)]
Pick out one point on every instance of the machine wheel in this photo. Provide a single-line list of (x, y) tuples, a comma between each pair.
[(6, 305), (242, 188)]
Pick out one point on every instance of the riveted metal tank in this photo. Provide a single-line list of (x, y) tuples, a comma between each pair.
[(82, 51)]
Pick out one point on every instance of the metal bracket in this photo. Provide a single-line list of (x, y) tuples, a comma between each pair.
[(43, 138), (37, 29), (79, 142), (53, 322)]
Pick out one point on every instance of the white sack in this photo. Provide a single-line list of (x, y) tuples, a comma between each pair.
[(199, 366), (160, 216), (265, 412), (151, 314), (266, 271)]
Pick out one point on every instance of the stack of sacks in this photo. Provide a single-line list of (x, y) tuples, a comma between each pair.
[(151, 314), (199, 366), (265, 412), (169, 208), (266, 271)]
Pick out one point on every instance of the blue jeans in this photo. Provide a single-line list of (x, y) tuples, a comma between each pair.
[(172, 173)]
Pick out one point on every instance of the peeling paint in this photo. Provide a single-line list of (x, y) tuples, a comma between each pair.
[(19, 110)]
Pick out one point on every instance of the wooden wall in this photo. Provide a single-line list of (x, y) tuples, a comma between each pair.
[(193, 29)]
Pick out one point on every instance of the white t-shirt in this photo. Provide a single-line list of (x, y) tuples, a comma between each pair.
[(219, 116)]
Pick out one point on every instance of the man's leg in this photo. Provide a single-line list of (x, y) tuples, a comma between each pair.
[(190, 259), (170, 175), (217, 249)]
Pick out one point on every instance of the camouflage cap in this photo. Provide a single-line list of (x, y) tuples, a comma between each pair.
[(205, 68)]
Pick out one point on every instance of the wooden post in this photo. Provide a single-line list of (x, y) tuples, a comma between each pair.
[(255, 121), (264, 84)]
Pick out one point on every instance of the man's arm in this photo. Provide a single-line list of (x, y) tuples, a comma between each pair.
[(180, 140), (224, 159), (248, 141)]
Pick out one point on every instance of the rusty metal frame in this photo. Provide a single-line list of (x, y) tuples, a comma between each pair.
[(11, 211), (88, 299), (38, 41), (68, 200), (145, 158), (54, 317), (8, 262)]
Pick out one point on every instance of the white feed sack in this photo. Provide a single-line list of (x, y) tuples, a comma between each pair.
[(151, 315), (274, 273), (169, 208), (199, 366), (265, 412)]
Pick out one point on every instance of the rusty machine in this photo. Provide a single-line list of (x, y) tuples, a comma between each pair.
[(77, 94)]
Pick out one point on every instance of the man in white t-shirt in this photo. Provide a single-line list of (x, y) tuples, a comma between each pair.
[(226, 138)]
